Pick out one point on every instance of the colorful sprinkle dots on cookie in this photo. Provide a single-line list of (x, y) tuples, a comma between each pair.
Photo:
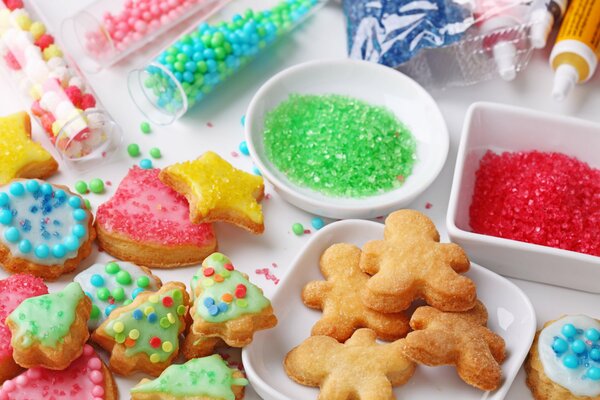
[(113, 285)]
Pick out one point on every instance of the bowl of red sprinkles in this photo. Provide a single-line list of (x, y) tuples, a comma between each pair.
[(525, 199)]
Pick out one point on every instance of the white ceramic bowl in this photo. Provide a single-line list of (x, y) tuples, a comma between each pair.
[(503, 128), (511, 315), (375, 84)]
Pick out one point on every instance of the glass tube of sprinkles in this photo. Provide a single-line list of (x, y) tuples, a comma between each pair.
[(65, 106), (107, 31), (185, 72)]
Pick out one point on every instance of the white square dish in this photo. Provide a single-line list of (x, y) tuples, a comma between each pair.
[(503, 128), (510, 314)]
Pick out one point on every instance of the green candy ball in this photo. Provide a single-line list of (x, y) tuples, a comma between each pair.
[(123, 277), (133, 150), (298, 229), (112, 268), (96, 185), (81, 187), (103, 294), (155, 152)]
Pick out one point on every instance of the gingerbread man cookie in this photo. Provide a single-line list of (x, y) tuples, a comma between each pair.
[(410, 263), (227, 306), (343, 312), (460, 339), (359, 369), (144, 335), (218, 192)]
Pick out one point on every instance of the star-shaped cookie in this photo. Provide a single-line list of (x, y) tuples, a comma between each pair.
[(360, 369), (460, 339), (21, 157), (343, 311), (410, 264), (217, 191)]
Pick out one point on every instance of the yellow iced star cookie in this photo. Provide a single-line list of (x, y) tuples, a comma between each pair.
[(21, 157), (217, 191)]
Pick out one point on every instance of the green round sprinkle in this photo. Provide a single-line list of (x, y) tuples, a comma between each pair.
[(298, 229), (177, 295), (96, 186), (338, 145), (180, 309), (145, 126), (81, 187), (143, 281), (164, 322), (133, 150), (120, 337), (155, 152), (88, 205), (103, 294), (123, 277), (95, 312), (118, 294), (112, 268)]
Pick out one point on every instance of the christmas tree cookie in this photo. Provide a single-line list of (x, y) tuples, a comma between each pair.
[(226, 307), (144, 335), (50, 330), (208, 378)]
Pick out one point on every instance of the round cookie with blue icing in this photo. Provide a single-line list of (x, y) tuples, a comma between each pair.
[(564, 361), (112, 285), (45, 229)]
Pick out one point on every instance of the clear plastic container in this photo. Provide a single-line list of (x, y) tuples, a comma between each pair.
[(79, 128), (108, 30), (185, 72)]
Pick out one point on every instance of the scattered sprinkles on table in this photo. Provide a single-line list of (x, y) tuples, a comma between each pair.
[(298, 229), (146, 163), (145, 127), (244, 148), (81, 187), (268, 275), (155, 153), (338, 145), (549, 199), (113, 285), (569, 350), (317, 223), (133, 150), (96, 186), (42, 223)]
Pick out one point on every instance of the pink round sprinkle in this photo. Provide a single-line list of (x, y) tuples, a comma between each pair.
[(34, 373), (94, 363), (21, 380), (9, 386), (88, 350), (98, 391), (96, 377)]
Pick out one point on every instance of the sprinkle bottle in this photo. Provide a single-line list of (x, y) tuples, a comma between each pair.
[(188, 70), (107, 31), (64, 105)]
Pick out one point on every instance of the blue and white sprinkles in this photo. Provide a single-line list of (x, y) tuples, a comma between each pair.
[(569, 350), (42, 223)]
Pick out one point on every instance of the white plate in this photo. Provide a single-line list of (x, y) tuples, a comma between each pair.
[(510, 314)]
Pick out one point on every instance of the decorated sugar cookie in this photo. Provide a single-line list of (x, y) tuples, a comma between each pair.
[(50, 330), (218, 192), (564, 361), (45, 230), (112, 285), (13, 290), (226, 306), (144, 335), (21, 157), (147, 222), (208, 378), (85, 378)]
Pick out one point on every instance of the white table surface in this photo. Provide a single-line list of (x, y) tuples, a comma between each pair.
[(323, 36)]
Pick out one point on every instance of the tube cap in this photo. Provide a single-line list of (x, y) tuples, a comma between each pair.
[(504, 55), (541, 27), (565, 78)]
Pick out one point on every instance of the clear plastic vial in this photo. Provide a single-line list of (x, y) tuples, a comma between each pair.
[(65, 106), (185, 72), (109, 30)]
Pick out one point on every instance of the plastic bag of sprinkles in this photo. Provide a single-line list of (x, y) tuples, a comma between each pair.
[(443, 43)]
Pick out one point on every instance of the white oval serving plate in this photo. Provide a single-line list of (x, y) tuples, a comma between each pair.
[(510, 314)]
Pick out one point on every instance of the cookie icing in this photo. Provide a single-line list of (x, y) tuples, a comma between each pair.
[(569, 351), (152, 327), (113, 285), (83, 379), (13, 290), (146, 210), (208, 376), (46, 319), (42, 223), (222, 293)]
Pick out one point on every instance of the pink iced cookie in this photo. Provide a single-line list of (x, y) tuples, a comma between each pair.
[(86, 378), (147, 222), (13, 290)]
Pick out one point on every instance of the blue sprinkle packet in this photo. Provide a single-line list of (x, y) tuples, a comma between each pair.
[(391, 32)]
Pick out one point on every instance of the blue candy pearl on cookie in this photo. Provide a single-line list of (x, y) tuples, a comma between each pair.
[(578, 346), (16, 189), (79, 214), (42, 251), (32, 186), (570, 361), (595, 354), (569, 331), (79, 230), (25, 246), (4, 199), (59, 251), (97, 280), (5, 217), (138, 314), (12, 234), (74, 202), (71, 243), (46, 189), (593, 373), (560, 346), (592, 334)]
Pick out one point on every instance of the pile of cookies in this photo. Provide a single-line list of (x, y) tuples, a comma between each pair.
[(406, 289)]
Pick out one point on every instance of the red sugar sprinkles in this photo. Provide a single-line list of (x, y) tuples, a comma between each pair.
[(549, 199)]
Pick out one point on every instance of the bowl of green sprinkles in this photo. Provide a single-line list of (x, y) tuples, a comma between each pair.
[(346, 138)]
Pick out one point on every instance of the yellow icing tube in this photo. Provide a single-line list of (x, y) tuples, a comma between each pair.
[(575, 55)]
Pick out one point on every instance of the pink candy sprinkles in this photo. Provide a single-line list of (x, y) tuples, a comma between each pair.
[(549, 199)]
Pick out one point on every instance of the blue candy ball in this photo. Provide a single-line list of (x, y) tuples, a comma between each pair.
[(569, 330), (12, 234), (593, 373), (74, 202), (560, 345), (46, 188), (209, 301), (145, 164), (4, 199), (244, 148), (595, 354), (32, 186), (213, 310), (152, 317), (79, 214), (223, 307), (42, 251), (110, 308), (16, 189), (59, 251), (97, 280), (5, 217), (317, 223), (570, 361), (25, 246), (71, 243), (138, 314), (79, 230), (578, 346), (592, 334)]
